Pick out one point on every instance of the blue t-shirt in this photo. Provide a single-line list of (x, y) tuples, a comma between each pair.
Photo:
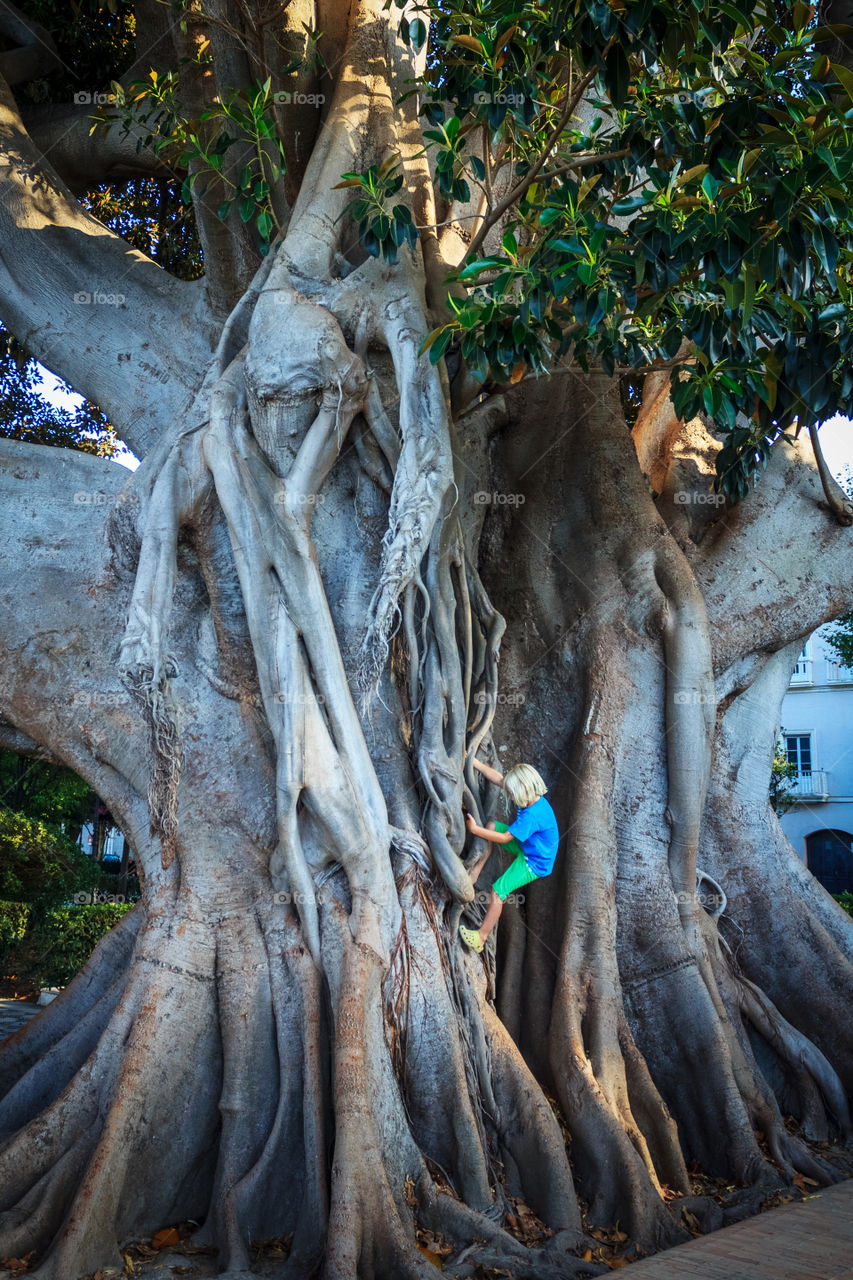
[(535, 829)]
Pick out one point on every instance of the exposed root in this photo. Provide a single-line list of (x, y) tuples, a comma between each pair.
[(151, 686)]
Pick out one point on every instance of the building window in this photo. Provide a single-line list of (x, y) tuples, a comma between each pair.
[(799, 748), (802, 673), (829, 857)]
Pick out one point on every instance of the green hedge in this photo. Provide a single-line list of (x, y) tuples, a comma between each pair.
[(47, 949), (13, 927)]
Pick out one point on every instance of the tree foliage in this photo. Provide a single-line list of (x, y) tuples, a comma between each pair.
[(699, 220), (26, 413), (39, 864)]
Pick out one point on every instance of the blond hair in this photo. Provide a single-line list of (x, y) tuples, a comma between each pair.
[(523, 785)]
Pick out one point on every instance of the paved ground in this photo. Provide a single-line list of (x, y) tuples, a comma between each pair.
[(14, 1013), (811, 1240)]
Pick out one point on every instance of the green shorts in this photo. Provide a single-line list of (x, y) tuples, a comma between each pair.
[(517, 873)]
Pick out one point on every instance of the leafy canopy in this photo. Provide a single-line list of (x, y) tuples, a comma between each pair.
[(696, 217), (642, 185)]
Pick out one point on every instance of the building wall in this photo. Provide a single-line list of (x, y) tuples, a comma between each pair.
[(819, 703)]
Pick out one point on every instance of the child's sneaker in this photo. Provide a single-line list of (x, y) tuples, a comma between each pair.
[(471, 938)]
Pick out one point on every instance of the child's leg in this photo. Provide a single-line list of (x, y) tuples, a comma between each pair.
[(491, 917), (518, 873)]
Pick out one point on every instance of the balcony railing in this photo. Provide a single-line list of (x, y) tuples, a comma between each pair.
[(802, 673), (810, 786), (837, 674)]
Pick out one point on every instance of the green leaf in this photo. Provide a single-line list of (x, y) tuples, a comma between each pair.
[(711, 185), (844, 78), (474, 268), (437, 343), (628, 205), (510, 244), (617, 75), (247, 208)]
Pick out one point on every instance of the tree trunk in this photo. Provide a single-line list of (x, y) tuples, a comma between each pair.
[(286, 1036)]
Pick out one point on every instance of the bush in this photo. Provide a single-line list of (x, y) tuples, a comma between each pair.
[(55, 944), (14, 917), (846, 900), (40, 865)]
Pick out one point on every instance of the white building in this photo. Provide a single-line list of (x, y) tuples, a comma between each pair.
[(113, 842), (817, 724)]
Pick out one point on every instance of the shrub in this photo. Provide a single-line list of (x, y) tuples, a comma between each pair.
[(55, 944), (13, 926), (40, 865), (846, 900)]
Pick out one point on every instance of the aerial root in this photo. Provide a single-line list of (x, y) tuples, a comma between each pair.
[(152, 689), (32, 1223), (805, 1060), (495, 1247)]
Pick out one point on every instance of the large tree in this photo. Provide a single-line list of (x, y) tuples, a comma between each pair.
[(270, 648)]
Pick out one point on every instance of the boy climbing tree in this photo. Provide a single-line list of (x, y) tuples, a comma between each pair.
[(532, 838)]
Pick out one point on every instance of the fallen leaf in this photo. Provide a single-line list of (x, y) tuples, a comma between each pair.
[(691, 1222), (430, 1256), (615, 1263), (166, 1239)]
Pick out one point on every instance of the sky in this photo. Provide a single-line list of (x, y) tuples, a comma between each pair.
[(836, 435)]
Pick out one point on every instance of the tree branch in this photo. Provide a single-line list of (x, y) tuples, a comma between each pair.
[(774, 567), (96, 312), (60, 696), (36, 53), (516, 193), (63, 134), (839, 503)]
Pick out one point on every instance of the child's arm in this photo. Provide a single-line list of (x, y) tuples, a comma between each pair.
[(488, 772), (485, 833)]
